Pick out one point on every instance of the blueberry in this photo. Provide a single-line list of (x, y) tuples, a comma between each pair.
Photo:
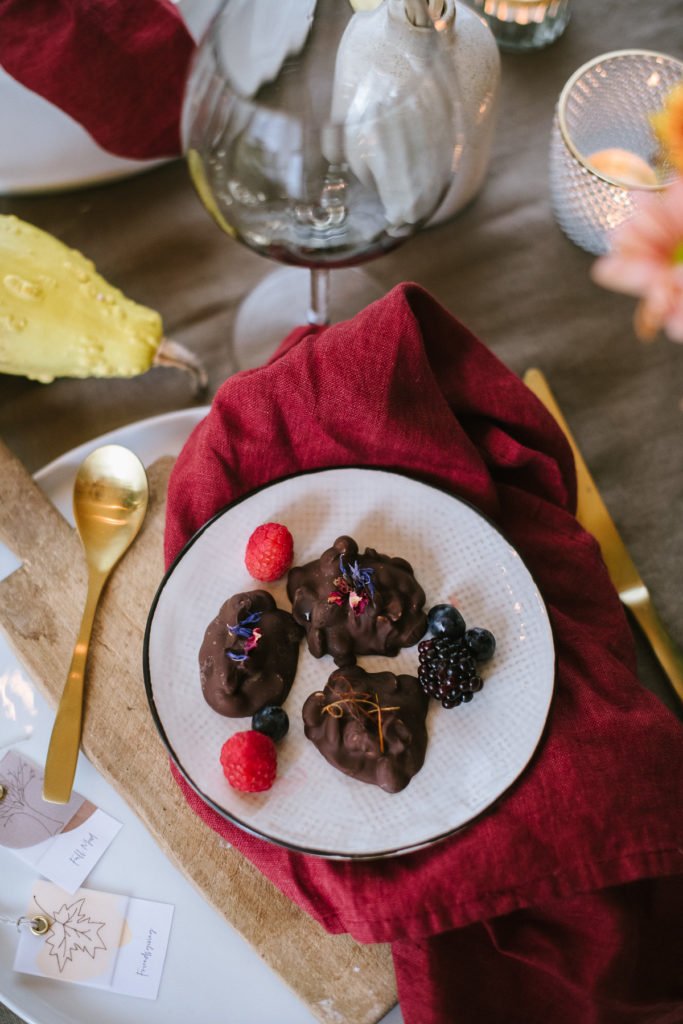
[(271, 720), (445, 620), (481, 643)]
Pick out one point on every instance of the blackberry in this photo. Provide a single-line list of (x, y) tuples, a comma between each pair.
[(447, 671)]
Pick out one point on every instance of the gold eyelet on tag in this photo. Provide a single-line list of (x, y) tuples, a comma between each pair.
[(3, 791), (40, 925)]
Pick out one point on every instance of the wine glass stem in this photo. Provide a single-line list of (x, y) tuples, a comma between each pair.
[(319, 305)]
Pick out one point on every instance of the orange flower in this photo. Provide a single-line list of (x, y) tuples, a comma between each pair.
[(646, 259), (668, 126)]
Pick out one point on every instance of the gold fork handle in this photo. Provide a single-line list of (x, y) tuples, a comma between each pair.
[(62, 754), (668, 654)]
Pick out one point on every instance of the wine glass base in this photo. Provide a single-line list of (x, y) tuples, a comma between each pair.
[(281, 302)]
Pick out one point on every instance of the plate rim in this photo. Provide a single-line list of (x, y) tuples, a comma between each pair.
[(292, 846), (148, 422)]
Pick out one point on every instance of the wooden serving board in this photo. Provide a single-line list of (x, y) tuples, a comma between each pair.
[(40, 610)]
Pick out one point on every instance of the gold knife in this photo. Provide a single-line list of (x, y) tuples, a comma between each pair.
[(593, 515)]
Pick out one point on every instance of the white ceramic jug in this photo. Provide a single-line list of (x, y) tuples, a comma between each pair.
[(382, 49), (395, 102), (476, 67)]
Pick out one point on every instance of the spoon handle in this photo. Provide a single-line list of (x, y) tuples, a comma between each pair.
[(62, 754)]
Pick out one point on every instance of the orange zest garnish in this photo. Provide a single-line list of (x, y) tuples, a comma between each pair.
[(360, 705), (379, 726)]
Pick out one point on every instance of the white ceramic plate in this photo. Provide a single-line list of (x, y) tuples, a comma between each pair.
[(475, 752), (211, 974), (44, 150)]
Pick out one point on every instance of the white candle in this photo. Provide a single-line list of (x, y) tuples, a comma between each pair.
[(524, 24), (602, 151), (523, 12)]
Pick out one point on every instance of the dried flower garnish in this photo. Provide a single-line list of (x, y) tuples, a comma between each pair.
[(245, 630), (358, 706), (353, 584)]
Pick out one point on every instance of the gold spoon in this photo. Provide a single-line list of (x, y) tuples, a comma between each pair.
[(110, 502)]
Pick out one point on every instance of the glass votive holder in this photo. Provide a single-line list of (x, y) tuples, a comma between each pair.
[(603, 149), (524, 24)]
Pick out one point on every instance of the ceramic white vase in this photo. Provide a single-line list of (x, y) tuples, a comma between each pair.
[(475, 61), (386, 86), (392, 97)]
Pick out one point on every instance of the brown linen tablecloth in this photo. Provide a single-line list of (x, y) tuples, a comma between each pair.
[(503, 267)]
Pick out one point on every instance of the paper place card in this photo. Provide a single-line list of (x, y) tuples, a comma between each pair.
[(63, 842), (97, 939)]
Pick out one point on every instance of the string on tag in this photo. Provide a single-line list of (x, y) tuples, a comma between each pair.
[(38, 925)]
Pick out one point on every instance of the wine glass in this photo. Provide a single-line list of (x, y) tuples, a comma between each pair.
[(321, 137)]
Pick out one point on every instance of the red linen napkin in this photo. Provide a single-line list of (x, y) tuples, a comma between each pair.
[(118, 67), (559, 905)]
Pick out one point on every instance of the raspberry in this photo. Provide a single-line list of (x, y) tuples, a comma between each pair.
[(249, 761), (269, 552)]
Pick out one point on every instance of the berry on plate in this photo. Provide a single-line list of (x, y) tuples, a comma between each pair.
[(481, 642), (249, 761), (447, 671), (272, 721), (445, 620), (269, 552)]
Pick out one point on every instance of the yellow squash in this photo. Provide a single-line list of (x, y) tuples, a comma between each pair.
[(60, 318)]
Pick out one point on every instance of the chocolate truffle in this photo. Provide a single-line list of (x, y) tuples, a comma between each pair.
[(370, 725), (249, 655), (351, 604)]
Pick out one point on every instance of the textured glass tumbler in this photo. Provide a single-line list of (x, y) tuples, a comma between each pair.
[(605, 109), (524, 24)]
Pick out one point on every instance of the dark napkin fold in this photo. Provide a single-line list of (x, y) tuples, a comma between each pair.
[(118, 67), (557, 904)]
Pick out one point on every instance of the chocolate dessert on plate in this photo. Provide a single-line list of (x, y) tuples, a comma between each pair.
[(249, 655), (370, 725), (352, 604)]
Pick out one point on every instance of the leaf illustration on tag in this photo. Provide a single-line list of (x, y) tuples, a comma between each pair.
[(73, 931), (23, 821)]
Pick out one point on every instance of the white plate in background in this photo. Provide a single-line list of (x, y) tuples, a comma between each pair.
[(42, 149), (211, 973)]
